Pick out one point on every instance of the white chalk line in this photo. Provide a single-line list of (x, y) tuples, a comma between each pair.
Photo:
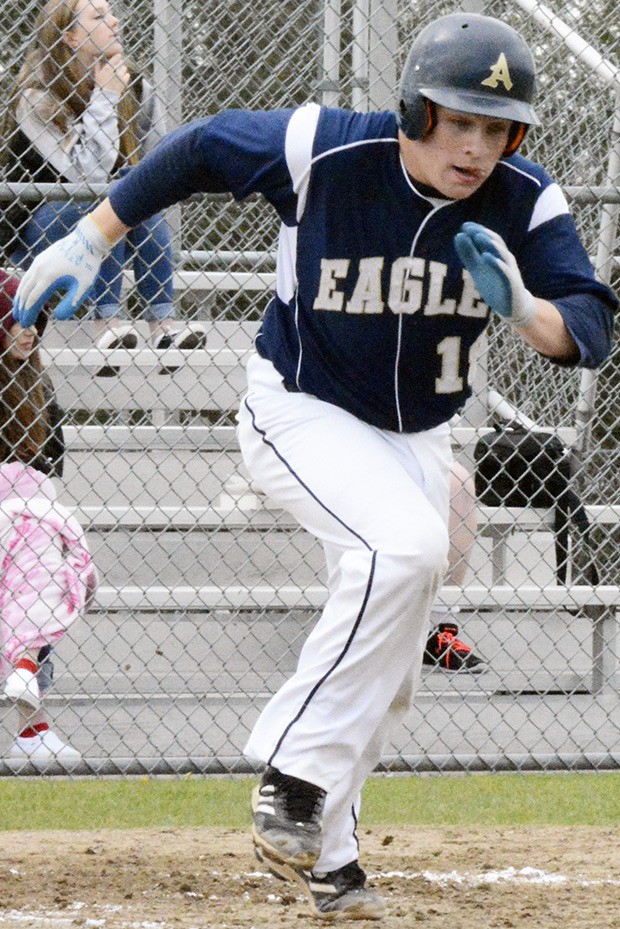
[(504, 876)]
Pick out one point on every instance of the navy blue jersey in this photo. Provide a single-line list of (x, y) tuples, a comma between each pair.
[(373, 310)]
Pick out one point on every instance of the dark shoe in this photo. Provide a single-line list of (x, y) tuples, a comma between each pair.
[(287, 821), (342, 893), (124, 336), (446, 652), (189, 337), (107, 371), (192, 336)]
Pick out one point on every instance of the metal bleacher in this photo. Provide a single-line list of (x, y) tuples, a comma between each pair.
[(206, 587)]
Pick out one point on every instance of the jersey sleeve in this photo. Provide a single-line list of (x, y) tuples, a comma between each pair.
[(238, 152), (556, 267)]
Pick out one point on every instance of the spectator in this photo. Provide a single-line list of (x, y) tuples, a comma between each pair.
[(47, 572), (81, 113)]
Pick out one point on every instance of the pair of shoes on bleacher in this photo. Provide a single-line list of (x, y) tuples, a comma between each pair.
[(123, 335), (187, 337), (287, 815)]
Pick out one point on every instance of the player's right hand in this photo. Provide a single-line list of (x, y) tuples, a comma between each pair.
[(71, 264)]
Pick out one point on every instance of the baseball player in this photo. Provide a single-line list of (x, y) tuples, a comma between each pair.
[(401, 234)]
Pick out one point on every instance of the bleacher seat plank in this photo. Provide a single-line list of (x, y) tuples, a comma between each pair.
[(139, 437), (265, 515), (179, 517), (241, 597)]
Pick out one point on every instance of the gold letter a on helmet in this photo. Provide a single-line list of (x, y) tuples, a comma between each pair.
[(499, 74)]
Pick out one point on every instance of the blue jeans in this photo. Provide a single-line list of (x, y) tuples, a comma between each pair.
[(148, 244), (45, 674)]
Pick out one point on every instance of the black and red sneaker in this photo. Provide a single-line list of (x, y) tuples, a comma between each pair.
[(446, 652)]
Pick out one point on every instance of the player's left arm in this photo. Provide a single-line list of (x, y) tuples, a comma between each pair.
[(547, 333), (570, 319)]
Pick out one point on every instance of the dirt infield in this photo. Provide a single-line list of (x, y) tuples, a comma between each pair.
[(441, 878)]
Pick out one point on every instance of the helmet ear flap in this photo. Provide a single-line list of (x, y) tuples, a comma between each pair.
[(417, 117), (515, 137), (431, 116)]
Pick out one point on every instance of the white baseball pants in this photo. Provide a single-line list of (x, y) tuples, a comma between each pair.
[(378, 501)]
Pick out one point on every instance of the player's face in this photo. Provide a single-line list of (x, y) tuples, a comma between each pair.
[(457, 157), (21, 342), (94, 34)]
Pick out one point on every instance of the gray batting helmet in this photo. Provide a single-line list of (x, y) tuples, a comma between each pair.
[(471, 63)]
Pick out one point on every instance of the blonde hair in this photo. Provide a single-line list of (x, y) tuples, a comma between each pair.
[(47, 68)]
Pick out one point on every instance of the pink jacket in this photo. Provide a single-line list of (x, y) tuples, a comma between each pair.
[(47, 577)]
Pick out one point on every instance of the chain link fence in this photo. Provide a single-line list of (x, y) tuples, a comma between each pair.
[(207, 591)]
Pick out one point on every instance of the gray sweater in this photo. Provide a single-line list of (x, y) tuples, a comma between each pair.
[(89, 149)]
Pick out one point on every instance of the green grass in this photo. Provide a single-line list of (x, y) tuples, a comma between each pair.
[(188, 802), (496, 800)]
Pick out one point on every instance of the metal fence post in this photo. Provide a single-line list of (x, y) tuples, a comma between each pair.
[(383, 49), (168, 80)]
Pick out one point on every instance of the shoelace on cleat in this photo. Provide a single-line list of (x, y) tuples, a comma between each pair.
[(447, 640)]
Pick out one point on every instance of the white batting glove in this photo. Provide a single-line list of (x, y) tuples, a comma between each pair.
[(496, 274), (70, 264)]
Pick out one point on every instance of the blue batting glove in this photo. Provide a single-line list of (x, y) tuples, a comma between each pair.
[(70, 264), (496, 273)]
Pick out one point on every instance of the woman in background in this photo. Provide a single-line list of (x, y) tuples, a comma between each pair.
[(80, 113)]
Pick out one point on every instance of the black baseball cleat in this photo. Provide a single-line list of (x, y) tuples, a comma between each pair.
[(343, 894), (340, 894), (287, 816), (448, 653)]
